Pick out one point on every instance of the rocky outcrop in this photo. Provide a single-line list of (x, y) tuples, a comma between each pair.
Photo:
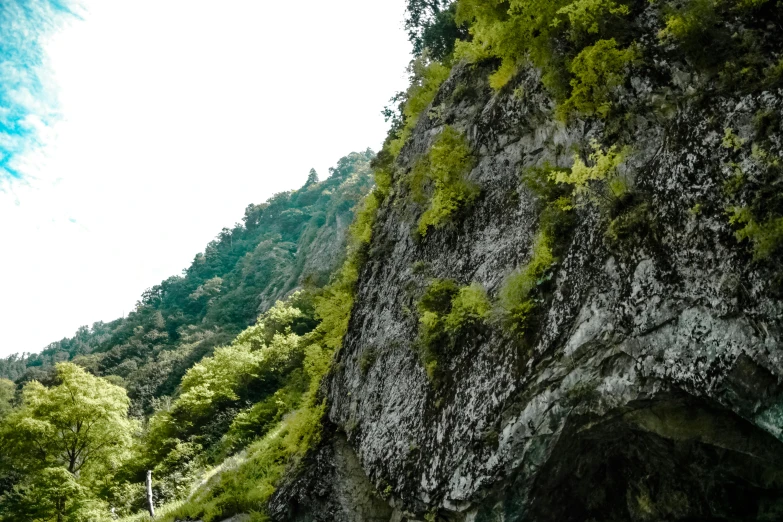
[(333, 486), (650, 388)]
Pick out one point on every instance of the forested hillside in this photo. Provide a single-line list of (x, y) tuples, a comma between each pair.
[(295, 239)]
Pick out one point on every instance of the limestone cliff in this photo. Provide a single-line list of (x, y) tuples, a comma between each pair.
[(649, 386)]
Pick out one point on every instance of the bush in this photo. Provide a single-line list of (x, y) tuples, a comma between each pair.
[(597, 71), (588, 16), (525, 30), (447, 312), (691, 20), (443, 169), (634, 222), (766, 236), (518, 295), (468, 308), (604, 168), (260, 418), (244, 485), (542, 181), (756, 203), (426, 78)]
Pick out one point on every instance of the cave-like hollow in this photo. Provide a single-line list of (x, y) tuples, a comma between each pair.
[(673, 458)]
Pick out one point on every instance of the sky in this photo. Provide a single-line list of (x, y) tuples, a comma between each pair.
[(133, 131)]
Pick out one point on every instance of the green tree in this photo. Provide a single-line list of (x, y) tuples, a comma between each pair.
[(6, 396), (76, 429), (52, 494), (430, 25)]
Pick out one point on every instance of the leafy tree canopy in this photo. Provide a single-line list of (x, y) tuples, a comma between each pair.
[(64, 442), (6, 396), (431, 25), (80, 424)]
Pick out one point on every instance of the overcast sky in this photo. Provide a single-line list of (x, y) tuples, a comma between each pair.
[(132, 132)]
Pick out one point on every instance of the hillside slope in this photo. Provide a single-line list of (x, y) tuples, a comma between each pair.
[(296, 238)]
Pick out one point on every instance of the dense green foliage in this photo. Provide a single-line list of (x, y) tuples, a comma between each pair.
[(216, 388), (586, 48), (597, 71), (7, 389), (13, 367), (522, 30), (63, 446), (431, 25), (244, 483), (239, 275), (599, 181)]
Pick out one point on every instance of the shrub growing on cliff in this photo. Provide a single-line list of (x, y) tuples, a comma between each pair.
[(756, 202), (600, 181), (690, 20), (426, 77), (589, 16), (517, 296), (765, 236), (525, 30), (447, 312), (442, 172), (542, 182), (597, 71)]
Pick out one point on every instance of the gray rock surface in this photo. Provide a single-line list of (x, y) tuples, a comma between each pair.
[(651, 388), (333, 486)]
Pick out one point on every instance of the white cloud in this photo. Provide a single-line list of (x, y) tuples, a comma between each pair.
[(175, 116)]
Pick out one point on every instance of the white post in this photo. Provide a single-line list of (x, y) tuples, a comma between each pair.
[(149, 494)]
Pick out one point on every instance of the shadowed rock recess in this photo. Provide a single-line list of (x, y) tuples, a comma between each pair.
[(647, 386)]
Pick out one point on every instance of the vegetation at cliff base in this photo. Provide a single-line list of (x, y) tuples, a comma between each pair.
[(244, 483)]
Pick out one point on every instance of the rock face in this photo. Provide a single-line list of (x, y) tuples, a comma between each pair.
[(332, 487), (650, 388)]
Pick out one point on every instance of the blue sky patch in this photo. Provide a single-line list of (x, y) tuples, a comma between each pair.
[(25, 100)]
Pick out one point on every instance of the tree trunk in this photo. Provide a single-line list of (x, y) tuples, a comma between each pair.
[(149, 494)]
